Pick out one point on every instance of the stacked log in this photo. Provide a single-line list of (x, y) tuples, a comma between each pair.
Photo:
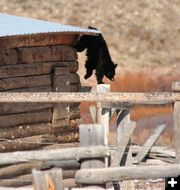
[(26, 126)]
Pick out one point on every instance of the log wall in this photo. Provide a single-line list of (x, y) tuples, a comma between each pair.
[(25, 126)]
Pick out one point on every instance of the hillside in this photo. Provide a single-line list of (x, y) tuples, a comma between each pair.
[(140, 33)]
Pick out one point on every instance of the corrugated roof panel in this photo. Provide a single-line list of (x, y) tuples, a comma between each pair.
[(16, 25)]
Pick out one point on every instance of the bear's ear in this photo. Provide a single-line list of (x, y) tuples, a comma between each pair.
[(115, 65)]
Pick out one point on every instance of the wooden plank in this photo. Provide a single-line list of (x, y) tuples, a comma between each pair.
[(26, 131), (74, 113), (9, 108), (102, 115), (38, 40), (33, 89), (123, 121), (49, 179), (18, 170), (102, 175), (176, 115), (7, 121), (75, 87), (20, 188), (93, 187), (91, 135), (46, 53), (92, 110), (122, 144), (25, 82), (25, 182), (57, 154), (8, 56), (19, 181), (149, 143), (74, 78), (120, 159), (135, 98), (65, 125), (60, 84), (12, 171), (34, 142), (9, 71), (86, 89)]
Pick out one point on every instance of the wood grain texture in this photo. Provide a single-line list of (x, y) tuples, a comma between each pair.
[(100, 176), (8, 56), (134, 98), (25, 82), (46, 53), (26, 131), (57, 154), (48, 179), (149, 143), (122, 144), (9, 71), (91, 135), (10, 108), (38, 40), (7, 121), (177, 130)]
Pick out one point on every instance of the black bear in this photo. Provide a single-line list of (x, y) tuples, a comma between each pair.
[(98, 57)]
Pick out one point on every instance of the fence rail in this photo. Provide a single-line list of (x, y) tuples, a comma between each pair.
[(94, 156), (132, 98)]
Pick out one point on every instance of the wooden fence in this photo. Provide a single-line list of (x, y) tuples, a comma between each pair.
[(93, 164)]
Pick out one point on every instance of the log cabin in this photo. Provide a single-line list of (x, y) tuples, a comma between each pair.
[(38, 56)]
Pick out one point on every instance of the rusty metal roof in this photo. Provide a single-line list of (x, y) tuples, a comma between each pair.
[(16, 25)]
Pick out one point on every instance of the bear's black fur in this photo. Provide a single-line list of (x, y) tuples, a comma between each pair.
[(98, 57)]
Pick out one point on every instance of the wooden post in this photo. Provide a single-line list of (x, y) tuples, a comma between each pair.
[(92, 135), (123, 120), (61, 83), (48, 180), (102, 114), (176, 89)]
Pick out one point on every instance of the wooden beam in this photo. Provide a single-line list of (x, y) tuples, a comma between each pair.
[(149, 143), (38, 40), (60, 154), (134, 98), (100, 176), (48, 179), (8, 56), (18, 181), (11, 171), (91, 135), (10, 108), (8, 121), (46, 53), (25, 82), (176, 115), (20, 70), (122, 144)]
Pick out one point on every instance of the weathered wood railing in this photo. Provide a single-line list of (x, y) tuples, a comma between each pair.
[(133, 98), (92, 151)]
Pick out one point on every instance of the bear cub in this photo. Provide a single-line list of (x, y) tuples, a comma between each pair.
[(98, 57)]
